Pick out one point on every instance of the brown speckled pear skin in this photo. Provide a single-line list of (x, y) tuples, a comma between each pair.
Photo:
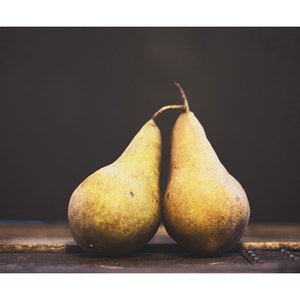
[(117, 209), (204, 209)]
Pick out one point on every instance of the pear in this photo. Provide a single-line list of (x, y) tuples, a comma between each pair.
[(117, 209), (205, 209)]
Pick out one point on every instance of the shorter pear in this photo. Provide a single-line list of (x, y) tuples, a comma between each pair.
[(205, 209), (117, 209)]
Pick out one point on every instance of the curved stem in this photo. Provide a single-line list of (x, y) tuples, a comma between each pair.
[(183, 97), (167, 107)]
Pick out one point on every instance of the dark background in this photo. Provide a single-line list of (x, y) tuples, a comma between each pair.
[(73, 98)]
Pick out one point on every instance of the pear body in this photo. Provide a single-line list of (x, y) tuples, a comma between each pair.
[(116, 210), (204, 209)]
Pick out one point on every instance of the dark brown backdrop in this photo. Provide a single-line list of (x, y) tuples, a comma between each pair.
[(72, 99)]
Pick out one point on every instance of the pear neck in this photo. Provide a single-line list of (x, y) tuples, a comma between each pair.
[(190, 145), (144, 148)]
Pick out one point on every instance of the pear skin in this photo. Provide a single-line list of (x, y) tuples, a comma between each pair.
[(117, 209), (205, 209)]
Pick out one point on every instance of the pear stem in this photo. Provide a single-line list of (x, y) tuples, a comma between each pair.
[(167, 107), (183, 97)]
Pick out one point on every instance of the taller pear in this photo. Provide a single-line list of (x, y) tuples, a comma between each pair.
[(116, 209), (205, 209)]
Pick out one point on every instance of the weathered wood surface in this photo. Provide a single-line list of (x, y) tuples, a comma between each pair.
[(50, 248)]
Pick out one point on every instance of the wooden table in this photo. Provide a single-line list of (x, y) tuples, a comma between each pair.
[(37, 247)]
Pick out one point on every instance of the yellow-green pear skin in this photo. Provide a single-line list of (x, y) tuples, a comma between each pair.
[(117, 209), (204, 209)]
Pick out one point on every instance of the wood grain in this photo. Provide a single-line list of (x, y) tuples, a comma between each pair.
[(50, 248)]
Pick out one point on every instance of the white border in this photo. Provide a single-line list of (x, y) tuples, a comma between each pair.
[(149, 13), (149, 286)]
